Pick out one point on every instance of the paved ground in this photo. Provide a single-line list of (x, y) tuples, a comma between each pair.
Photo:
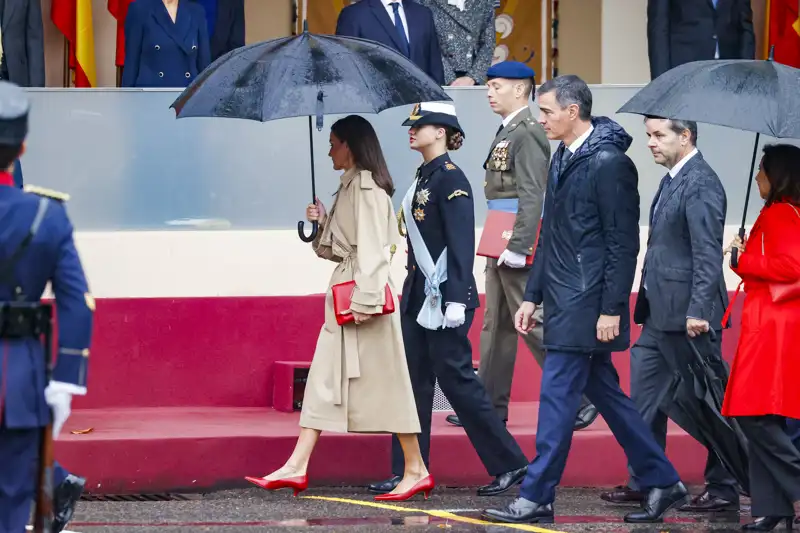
[(352, 510)]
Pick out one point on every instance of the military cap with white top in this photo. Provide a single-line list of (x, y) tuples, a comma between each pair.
[(434, 114)]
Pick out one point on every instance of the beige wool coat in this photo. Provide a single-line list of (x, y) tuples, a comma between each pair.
[(359, 380)]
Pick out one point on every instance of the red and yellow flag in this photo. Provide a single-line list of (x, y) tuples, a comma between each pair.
[(73, 18), (119, 10), (783, 31)]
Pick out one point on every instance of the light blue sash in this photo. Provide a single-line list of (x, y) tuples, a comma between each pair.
[(430, 316), (509, 205)]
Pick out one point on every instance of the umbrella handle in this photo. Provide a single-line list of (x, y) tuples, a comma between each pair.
[(302, 233)]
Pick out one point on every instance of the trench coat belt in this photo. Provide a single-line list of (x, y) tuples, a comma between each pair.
[(348, 347)]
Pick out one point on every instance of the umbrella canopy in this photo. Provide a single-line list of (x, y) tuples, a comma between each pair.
[(698, 396), (751, 95), (306, 75)]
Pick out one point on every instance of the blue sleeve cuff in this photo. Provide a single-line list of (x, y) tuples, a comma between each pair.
[(72, 366)]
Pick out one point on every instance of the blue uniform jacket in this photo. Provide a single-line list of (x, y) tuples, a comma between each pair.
[(445, 215), (368, 19), (51, 257), (162, 53), (585, 260)]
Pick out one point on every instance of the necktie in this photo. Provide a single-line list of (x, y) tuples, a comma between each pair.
[(401, 29), (499, 130), (662, 190), (715, 3), (565, 158)]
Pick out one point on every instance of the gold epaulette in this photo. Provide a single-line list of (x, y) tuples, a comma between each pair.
[(48, 193)]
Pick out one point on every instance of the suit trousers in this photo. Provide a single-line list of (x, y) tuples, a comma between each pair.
[(446, 355), (652, 379), (774, 466), (566, 376), (505, 288), (19, 451), (793, 428)]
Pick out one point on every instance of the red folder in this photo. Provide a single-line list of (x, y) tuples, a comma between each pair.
[(497, 231)]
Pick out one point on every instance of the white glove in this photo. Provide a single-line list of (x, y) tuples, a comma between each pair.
[(58, 396), (512, 259), (454, 315)]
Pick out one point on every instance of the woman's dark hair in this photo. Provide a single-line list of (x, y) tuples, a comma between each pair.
[(454, 139), (363, 142), (781, 164), (9, 154)]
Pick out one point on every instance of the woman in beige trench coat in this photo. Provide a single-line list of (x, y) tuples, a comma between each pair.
[(359, 380)]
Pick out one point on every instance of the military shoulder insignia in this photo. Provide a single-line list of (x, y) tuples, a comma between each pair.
[(450, 166), (456, 193), (48, 193)]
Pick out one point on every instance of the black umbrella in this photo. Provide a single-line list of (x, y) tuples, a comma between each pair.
[(697, 380), (751, 95), (309, 74)]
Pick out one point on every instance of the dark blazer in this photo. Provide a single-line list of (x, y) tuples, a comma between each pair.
[(160, 53), (228, 28), (23, 42), (585, 260), (368, 19), (445, 211), (683, 262), (681, 31)]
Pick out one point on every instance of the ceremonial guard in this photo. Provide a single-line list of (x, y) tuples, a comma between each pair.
[(516, 176), (439, 301), (36, 247)]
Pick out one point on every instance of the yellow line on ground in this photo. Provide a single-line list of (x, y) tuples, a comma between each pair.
[(434, 512)]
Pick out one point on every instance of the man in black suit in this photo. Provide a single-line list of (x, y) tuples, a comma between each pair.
[(405, 25), (682, 292), (681, 31), (22, 42)]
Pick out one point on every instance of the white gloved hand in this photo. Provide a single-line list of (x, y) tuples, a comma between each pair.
[(454, 315), (512, 259), (58, 396)]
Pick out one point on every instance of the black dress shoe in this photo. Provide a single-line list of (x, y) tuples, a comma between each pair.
[(586, 416), (623, 494), (503, 482), (453, 419), (522, 511), (768, 523), (659, 501), (387, 485), (65, 498), (706, 503)]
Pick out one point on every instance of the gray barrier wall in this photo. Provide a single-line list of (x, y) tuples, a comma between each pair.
[(129, 164)]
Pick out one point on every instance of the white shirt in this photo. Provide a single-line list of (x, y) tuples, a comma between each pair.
[(577, 143), (389, 9), (510, 117), (679, 165)]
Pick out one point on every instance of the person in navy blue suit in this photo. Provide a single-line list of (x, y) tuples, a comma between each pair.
[(583, 271), (36, 247), (166, 43), (405, 26)]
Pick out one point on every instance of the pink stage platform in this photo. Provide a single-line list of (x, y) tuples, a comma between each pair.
[(181, 398)]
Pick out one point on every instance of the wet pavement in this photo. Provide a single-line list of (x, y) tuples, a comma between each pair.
[(351, 509)]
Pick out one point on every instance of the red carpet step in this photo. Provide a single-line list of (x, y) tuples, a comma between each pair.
[(147, 450)]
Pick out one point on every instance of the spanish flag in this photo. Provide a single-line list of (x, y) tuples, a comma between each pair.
[(783, 31), (119, 10), (73, 18)]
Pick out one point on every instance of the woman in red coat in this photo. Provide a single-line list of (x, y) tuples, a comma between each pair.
[(764, 387)]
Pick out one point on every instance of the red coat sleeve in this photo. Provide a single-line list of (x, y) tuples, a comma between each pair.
[(775, 256)]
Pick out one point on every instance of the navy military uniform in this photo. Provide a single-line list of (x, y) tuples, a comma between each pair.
[(442, 208), (162, 53), (36, 247)]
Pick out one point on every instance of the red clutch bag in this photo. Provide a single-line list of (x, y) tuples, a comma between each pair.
[(497, 232), (342, 298)]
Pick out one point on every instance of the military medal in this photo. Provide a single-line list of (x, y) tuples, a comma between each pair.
[(423, 196), (419, 214)]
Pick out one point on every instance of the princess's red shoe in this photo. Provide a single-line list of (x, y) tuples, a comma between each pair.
[(296, 483), (424, 485)]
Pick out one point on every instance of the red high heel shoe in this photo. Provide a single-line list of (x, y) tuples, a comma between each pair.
[(297, 483), (424, 485)]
